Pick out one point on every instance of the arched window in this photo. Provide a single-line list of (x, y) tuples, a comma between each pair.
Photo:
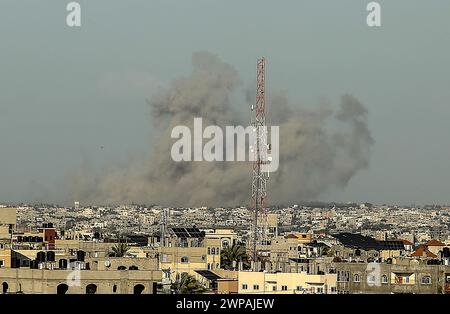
[(138, 289), (185, 259), (209, 251), (426, 280), (114, 288), (62, 288), (356, 278), (213, 251), (384, 279), (5, 287), (91, 289)]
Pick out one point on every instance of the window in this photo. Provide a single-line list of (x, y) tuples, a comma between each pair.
[(185, 259), (356, 278), (283, 288), (299, 288), (209, 251), (213, 251), (343, 276), (426, 280), (274, 288), (384, 279), (319, 290), (255, 287), (402, 279), (2, 263), (244, 286)]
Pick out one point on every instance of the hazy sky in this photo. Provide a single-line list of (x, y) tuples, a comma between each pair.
[(65, 93)]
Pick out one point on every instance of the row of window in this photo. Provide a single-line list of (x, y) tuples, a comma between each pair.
[(426, 280), (285, 288), (183, 259), (256, 287), (211, 265), (213, 251)]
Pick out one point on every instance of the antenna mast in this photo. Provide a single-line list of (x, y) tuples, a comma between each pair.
[(259, 148)]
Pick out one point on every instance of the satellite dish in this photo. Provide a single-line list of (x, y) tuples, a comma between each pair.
[(107, 263)]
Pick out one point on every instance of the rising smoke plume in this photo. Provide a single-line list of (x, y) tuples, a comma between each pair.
[(319, 149)]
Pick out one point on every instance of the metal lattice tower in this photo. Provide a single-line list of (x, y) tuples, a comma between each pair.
[(163, 226), (259, 148)]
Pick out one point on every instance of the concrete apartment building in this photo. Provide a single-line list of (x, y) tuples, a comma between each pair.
[(63, 281), (402, 275), (286, 283)]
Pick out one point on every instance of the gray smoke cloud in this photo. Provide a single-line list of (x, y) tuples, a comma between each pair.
[(320, 148)]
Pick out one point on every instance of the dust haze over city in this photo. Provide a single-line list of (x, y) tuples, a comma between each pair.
[(94, 110), (313, 158), (235, 150)]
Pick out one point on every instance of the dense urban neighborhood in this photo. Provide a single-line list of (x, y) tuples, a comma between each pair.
[(318, 248)]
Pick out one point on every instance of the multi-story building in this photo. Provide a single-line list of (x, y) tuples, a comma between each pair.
[(286, 283), (402, 275)]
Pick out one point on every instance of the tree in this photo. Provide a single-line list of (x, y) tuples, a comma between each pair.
[(119, 250), (187, 284), (235, 253)]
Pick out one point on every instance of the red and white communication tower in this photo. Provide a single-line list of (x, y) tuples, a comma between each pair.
[(259, 148)]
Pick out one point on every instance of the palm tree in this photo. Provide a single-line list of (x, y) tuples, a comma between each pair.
[(235, 253), (187, 284), (119, 250)]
